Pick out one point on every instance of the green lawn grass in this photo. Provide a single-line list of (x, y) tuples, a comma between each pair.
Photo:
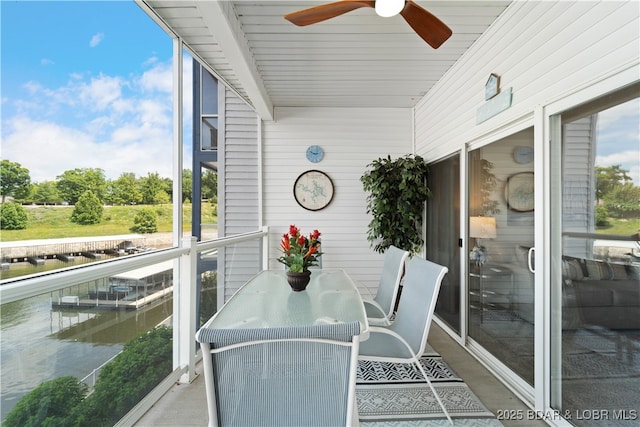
[(52, 222), (622, 227)]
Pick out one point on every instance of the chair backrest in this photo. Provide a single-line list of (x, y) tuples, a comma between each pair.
[(417, 302), (281, 376), (392, 271)]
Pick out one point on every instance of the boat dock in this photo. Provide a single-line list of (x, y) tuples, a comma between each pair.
[(36, 251), (133, 303), (129, 290)]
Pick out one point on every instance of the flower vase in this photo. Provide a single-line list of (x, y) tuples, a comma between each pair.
[(298, 281)]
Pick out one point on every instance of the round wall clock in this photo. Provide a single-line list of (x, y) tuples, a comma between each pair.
[(313, 190), (523, 154), (315, 153)]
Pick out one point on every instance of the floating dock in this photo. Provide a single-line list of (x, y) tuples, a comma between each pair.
[(129, 290), (22, 250)]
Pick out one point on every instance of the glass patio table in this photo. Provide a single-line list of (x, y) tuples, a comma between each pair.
[(267, 301)]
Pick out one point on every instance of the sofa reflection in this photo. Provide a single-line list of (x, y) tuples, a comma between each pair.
[(601, 293)]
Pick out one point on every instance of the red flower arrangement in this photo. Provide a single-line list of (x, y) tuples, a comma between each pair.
[(299, 252)]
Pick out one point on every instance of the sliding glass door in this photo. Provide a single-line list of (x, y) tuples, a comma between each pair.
[(501, 234), (595, 262)]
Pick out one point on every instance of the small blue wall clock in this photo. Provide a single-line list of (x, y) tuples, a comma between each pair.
[(315, 153)]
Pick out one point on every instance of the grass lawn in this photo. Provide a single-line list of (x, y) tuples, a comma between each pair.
[(622, 227), (52, 222)]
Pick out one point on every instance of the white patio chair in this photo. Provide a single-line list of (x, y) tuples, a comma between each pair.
[(380, 308), (405, 340), (297, 376)]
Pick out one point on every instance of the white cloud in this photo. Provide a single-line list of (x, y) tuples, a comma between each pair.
[(158, 78), (629, 160), (610, 116), (46, 61), (101, 92), (45, 148), (96, 39), (105, 122), (48, 149), (187, 90)]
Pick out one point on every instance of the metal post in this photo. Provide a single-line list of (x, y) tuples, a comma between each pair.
[(184, 337)]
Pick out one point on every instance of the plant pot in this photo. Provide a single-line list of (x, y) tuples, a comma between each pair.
[(299, 281)]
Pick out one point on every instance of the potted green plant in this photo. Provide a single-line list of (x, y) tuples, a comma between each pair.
[(299, 253), (397, 193)]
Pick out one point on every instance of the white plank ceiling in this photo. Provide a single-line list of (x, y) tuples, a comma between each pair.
[(355, 60)]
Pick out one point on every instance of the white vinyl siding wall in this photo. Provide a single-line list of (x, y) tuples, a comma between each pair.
[(239, 196), (578, 184), (543, 50), (351, 139), (554, 56)]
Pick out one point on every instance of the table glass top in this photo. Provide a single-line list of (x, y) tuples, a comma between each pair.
[(268, 301)]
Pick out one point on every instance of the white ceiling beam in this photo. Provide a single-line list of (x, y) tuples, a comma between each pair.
[(221, 20)]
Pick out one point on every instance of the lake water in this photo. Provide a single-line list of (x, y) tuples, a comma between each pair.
[(18, 269), (39, 344)]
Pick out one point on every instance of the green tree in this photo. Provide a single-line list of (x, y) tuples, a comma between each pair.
[(49, 404), (13, 217), (161, 198), (14, 180), (143, 363), (608, 177), (46, 193), (623, 201), (73, 183), (124, 190), (602, 216), (153, 189), (187, 180), (145, 221), (210, 186), (88, 209), (168, 184)]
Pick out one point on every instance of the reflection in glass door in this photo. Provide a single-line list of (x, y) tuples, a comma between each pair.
[(501, 234), (596, 263)]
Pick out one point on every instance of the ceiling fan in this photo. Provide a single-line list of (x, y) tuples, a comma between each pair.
[(426, 25)]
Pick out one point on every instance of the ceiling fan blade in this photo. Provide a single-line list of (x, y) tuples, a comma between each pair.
[(426, 25), (325, 11)]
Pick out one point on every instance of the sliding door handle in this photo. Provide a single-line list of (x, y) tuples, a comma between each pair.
[(531, 259)]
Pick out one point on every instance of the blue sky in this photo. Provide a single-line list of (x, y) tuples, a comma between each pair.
[(85, 84), (619, 138)]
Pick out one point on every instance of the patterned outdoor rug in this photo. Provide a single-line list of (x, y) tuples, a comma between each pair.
[(395, 394)]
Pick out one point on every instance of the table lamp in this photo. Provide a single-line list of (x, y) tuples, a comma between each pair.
[(481, 227)]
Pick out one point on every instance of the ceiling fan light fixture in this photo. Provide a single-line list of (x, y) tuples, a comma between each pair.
[(388, 8), (424, 23)]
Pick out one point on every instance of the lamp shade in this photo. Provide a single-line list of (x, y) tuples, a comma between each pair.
[(388, 8), (482, 227)]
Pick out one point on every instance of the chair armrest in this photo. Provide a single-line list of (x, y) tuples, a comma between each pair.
[(386, 331), (378, 322), (375, 313)]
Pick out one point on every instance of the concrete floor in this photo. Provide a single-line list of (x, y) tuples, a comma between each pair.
[(185, 404), (491, 392)]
